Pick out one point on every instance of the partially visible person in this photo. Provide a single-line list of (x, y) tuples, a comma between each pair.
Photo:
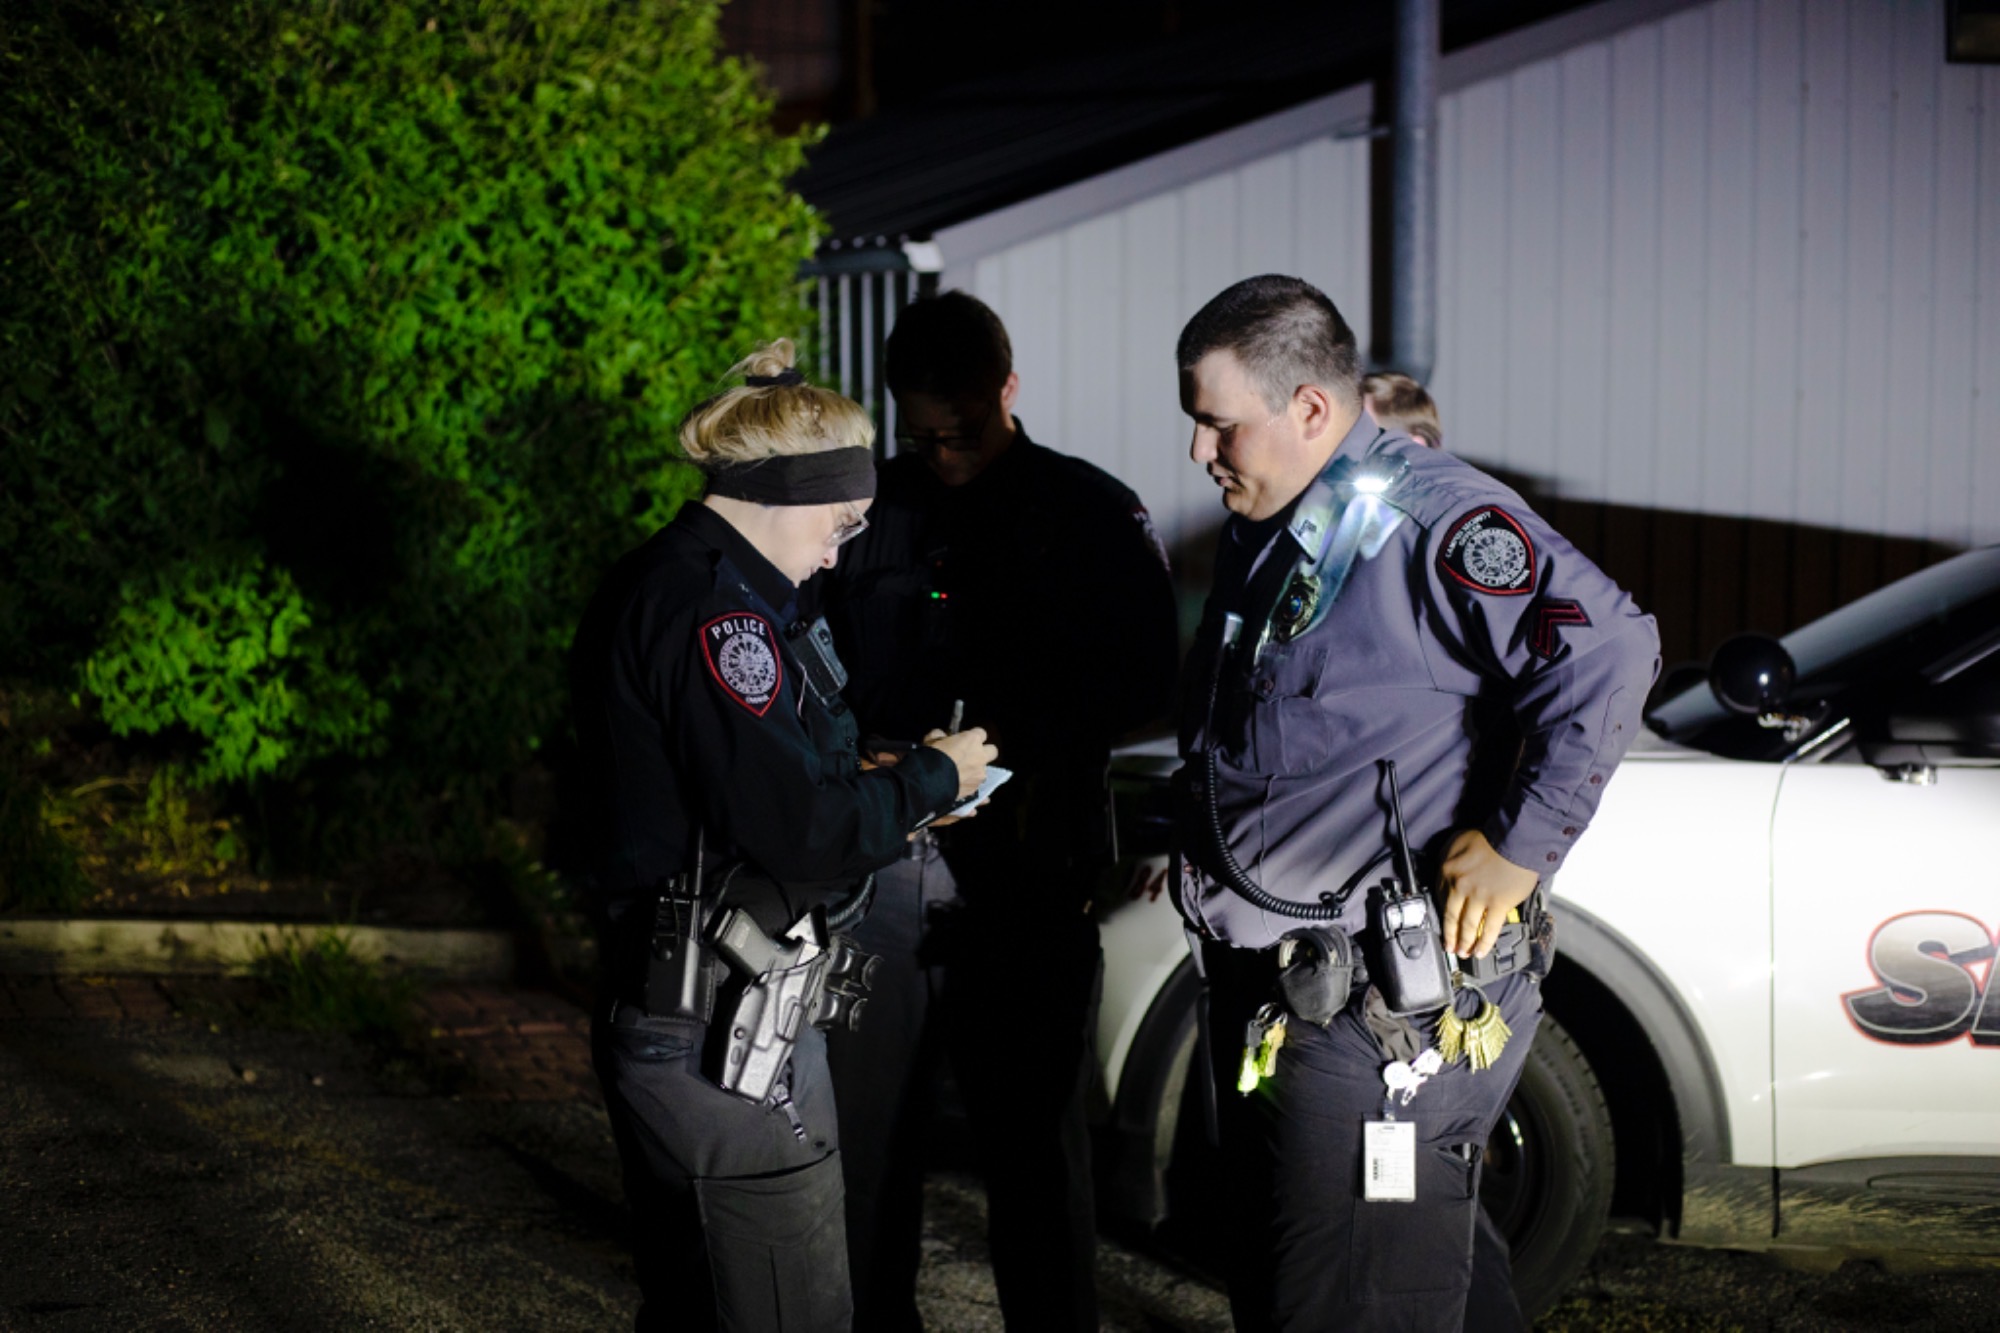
[(1030, 587), (1397, 402), (732, 815)]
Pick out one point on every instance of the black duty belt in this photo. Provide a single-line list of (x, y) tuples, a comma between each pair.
[(1514, 951)]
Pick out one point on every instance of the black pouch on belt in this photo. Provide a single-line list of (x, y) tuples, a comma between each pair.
[(849, 974), (1514, 950), (1315, 972)]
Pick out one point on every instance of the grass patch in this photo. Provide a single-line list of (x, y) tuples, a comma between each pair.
[(38, 869), (317, 983)]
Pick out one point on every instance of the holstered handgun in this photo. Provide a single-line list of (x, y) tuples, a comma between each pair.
[(805, 977), (781, 981), (1408, 965)]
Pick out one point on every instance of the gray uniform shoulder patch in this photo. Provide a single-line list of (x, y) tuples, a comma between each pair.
[(1488, 551)]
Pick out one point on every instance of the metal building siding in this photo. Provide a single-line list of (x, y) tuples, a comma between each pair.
[(1097, 360), (1793, 322), (1743, 259)]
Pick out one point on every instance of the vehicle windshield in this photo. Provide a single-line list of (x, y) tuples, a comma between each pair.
[(1891, 613), (1876, 639)]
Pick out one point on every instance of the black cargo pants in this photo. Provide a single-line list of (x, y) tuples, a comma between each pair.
[(736, 1222), (1310, 1253)]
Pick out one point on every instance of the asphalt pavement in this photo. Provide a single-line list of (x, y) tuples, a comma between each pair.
[(165, 1164)]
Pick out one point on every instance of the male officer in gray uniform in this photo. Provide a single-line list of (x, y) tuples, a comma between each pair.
[(1375, 601)]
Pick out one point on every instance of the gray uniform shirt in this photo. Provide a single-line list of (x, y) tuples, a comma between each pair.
[(1500, 669)]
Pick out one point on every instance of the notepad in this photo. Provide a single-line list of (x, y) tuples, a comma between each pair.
[(995, 775)]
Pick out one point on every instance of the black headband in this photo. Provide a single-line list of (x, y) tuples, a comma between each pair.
[(788, 376), (827, 477)]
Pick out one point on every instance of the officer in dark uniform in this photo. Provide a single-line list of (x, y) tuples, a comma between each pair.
[(1028, 589), (1375, 602), (733, 814)]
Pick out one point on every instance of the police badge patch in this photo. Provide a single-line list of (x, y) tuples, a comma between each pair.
[(742, 654), (1489, 552)]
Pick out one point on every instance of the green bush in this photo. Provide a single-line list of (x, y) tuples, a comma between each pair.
[(344, 342), (223, 650)]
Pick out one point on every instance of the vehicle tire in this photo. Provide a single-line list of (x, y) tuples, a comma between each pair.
[(1549, 1169)]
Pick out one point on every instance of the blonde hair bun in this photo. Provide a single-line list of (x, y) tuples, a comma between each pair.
[(752, 421)]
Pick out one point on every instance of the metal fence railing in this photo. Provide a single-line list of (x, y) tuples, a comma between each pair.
[(856, 293)]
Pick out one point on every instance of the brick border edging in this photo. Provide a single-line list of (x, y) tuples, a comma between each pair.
[(183, 947)]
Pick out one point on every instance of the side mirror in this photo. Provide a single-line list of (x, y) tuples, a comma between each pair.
[(1752, 674)]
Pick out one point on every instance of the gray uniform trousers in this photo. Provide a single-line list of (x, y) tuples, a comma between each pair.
[(1310, 1253), (737, 1222), (1014, 1016)]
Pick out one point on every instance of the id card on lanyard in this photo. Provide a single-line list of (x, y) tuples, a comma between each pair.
[(1389, 1145), (1389, 1161)]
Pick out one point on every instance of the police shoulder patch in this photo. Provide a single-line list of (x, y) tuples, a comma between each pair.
[(741, 651), (1488, 551)]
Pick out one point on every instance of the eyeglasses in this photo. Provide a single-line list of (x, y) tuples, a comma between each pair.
[(965, 439), (848, 531)]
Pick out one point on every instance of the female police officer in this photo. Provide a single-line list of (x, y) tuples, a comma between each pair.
[(731, 813)]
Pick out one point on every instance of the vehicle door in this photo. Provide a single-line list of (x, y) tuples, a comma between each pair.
[(1886, 1024)]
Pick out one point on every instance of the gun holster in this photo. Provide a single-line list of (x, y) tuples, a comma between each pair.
[(1407, 963), (783, 984)]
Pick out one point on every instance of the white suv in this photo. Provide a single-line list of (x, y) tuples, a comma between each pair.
[(1774, 1020)]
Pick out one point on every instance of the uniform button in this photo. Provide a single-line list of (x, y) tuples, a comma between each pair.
[(1595, 779), (1569, 833), (1552, 858)]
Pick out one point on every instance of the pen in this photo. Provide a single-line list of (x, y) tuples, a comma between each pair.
[(957, 716)]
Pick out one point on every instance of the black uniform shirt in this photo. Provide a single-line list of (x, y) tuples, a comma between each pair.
[(1038, 594), (692, 709)]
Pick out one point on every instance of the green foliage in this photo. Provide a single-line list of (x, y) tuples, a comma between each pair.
[(318, 983), (539, 897), (175, 840), (225, 650), (344, 343), (38, 870)]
